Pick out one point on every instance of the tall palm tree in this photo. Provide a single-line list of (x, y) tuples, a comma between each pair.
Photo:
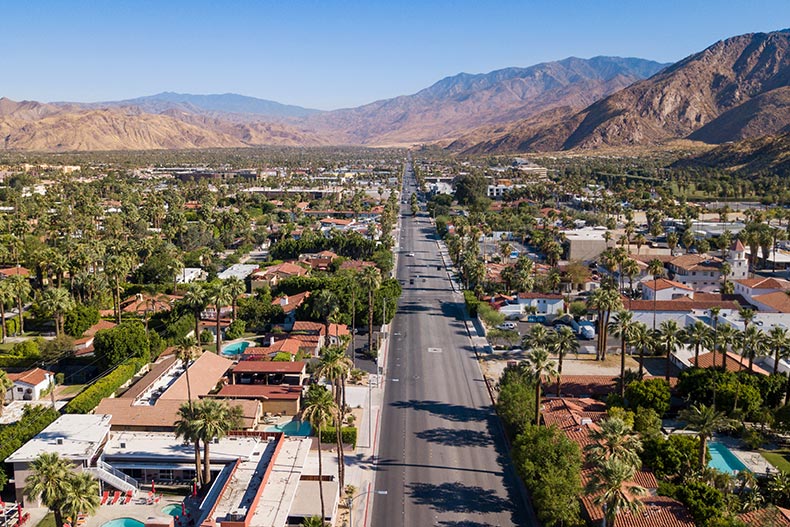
[(20, 286), (49, 482), (320, 409), (624, 327), (698, 335), (196, 299), (214, 420), (612, 483), (82, 496), (6, 297), (727, 337), (236, 288), (669, 337), (219, 295), (540, 365), (335, 367), (186, 352), (56, 302), (706, 421), (186, 428), (778, 342), (752, 341), (604, 300), (538, 337), (714, 317), (643, 340), (116, 268), (370, 280), (5, 385), (614, 440), (562, 343), (326, 306), (656, 269)]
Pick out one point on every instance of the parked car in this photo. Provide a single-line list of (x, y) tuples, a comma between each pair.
[(507, 326)]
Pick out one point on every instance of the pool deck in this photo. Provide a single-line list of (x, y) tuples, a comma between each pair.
[(754, 461), (136, 509)]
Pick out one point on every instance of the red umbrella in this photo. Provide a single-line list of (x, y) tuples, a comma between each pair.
[(194, 489), (19, 511), (183, 509), (153, 486)]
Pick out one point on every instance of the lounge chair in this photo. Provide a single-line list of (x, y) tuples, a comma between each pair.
[(104, 496), (129, 495), (115, 497)]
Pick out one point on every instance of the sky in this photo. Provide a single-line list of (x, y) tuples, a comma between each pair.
[(333, 53)]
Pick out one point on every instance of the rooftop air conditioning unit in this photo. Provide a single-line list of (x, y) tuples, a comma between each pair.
[(123, 445), (270, 439), (586, 421), (59, 440)]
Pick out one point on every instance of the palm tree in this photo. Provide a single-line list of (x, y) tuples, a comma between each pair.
[(326, 306), (220, 296), (656, 269), (540, 365), (6, 297), (236, 288), (185, 427), (752, 342), (714, 317), (624, 327), (56, 302), (196, 299), (214, 420), (49, 482), (335, 367), (5, 385), (604, 300), (21, 289), (727, 336), (187, 351), (669, 337), (370, 280), (562, 343), (116, 268), (320, 409), (643, 340), (698, 335), (631, 270), (706, 421), (778, 341), (538, 337), (612, 483), (313, 521), (614, 440), (82, 496)]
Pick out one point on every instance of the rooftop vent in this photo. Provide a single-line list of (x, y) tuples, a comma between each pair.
[(59, 440), (123, 444), (586, 421)]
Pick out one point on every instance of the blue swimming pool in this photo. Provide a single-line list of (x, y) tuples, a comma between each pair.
[(237, 348), (723, 460), (292, 428), (123, 522), (174, 509)]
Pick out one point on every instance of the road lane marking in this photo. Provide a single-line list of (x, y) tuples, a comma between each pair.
[(434, 350)]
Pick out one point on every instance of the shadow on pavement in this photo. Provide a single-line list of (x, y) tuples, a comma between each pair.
[(465, 523), (455, 437), (452, 412), (456, 497)]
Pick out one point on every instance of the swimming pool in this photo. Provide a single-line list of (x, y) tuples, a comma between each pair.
[(174, 509), (723, 460), (123, 522), (237, 348), (292, 428)]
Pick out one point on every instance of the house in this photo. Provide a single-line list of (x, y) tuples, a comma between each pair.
[(290, 346), (356, 265), (318, 261), (541, 303), (290, 304), (269, 372), (280, 399), (29, 385), (750, 288), (191, 274), (585, 245), (680, 310), (271, 276), (14, 271), (663, 289), (240, 271), (704, 273)]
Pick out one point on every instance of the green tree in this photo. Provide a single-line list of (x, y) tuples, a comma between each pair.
[(650, 393), (82, 495), (643, 340), (115, 345), (656, 269), (214, 419), (21, 289), (335, 366), (604, 300), (53, 481), (219, 295), (186, 429), (370, 281), (236, 288), (80, 319), (196, 299), (320, 409), (669, 337), (623, 327), (6, 297), (326, 306), (697, 335), (55, 302), (613, 439), (612, 484), (562, 343)]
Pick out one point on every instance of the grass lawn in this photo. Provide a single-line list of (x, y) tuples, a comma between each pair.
[(778, 458), (48, 521), (72, 389)]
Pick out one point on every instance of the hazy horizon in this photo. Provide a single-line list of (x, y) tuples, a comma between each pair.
[(335, 54)]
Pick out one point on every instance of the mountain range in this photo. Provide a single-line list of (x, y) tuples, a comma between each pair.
[(736, 89)]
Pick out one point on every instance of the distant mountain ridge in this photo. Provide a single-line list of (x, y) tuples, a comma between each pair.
[(737, 88)]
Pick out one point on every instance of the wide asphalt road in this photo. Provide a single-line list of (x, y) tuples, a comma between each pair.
[(442, 456)]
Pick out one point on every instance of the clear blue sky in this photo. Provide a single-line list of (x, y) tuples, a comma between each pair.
[(329, 54)]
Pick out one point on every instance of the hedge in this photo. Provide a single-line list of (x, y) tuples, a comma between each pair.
[(471, 303), (90, 397), (34, 420), (10, 361), (348, 435)]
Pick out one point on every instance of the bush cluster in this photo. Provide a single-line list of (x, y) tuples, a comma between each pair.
[(348, 434)]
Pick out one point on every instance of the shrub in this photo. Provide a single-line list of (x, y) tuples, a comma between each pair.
[(236, 329), (650, 393), (206, 336), (348, 435), (26, 348), (80, 319), (90, 397), (472, 303)]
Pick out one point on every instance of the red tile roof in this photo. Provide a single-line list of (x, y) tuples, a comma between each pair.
[(769, 517), (764, 283), (32, 377), (735, 362), (778, 301), (663, 283), (679, 304), (288, 345), (291, 302), (658, 511), (98, 326), (14, 271), (264, 366)]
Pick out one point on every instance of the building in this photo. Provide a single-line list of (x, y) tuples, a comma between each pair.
[(240, 271), (271, 276), (29, 385), (281, 399), (663, 289), (541, 303), (585, 245), (191, 274)]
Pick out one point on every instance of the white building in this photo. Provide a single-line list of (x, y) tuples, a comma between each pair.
[(663, 289), (29, 385)]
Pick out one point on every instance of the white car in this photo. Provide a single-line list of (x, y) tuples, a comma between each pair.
[(507, 326), (410, 254)]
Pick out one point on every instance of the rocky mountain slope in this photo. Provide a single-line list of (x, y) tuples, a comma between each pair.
[(767, 153), (734, 89)]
